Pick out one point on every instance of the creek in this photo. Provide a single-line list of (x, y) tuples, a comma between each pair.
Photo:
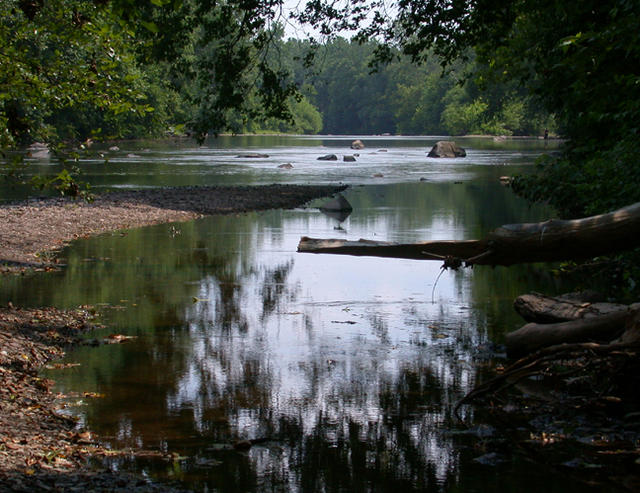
[(344, 371)]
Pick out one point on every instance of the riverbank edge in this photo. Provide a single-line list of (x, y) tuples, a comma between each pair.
[(40, 449), (33, 231)]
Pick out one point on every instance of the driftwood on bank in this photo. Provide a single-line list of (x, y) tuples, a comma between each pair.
[(568, 319), (543, 309), (553, 240), (600, 329)]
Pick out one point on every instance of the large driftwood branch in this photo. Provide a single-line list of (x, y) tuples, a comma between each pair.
[(552, 240), (602, 329), (432, 250), (535, 307)]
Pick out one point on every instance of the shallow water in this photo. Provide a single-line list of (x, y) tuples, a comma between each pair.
[(344, 369), (182, 162)]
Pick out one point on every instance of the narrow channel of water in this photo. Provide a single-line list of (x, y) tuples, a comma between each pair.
[(343, 370)]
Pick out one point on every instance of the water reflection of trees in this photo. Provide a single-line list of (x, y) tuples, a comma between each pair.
[(250, 359), (337, 418)]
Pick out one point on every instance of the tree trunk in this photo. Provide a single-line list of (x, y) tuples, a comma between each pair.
[(552, 240)]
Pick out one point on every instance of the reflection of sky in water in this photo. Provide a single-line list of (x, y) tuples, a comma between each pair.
[(323, 339)]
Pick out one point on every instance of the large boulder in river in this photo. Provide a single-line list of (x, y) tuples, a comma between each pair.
[(328, 157), (357, 144), (446, 148)]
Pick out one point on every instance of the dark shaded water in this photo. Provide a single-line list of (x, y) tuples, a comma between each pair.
[(344, 370)]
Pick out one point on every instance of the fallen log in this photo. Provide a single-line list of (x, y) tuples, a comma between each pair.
[(431, 250), (602, 329), (534, 307), (553, 240)]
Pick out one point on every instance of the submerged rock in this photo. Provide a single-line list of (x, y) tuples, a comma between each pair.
[(446, 148)]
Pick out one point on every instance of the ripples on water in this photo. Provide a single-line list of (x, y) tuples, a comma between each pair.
[(182, 162)]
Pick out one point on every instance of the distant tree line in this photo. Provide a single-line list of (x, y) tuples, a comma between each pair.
[(400, 97), (76, 69)]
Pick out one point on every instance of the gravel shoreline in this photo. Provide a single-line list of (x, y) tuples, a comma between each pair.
[(32, 231), (40, 449)]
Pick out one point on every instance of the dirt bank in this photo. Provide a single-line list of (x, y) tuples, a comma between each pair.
[(32, 231)]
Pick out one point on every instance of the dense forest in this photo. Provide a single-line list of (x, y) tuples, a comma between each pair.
[(343, 94)]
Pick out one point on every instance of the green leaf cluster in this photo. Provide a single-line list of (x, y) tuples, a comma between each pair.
[(59, 58)]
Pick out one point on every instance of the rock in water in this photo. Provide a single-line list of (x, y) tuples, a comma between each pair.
[(349, 159), (253, 155), (446, 148), (357, 144), (328, 157), (339, 203)]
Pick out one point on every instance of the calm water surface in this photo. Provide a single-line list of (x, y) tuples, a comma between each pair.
[(344, 370)]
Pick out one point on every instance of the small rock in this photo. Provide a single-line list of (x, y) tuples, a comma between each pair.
[(349, 159), (114, 148), (253, 155), (328, 157), (357, 144), (286, 166), (242, 445), (38, 150), (37, 146), (490, 459), (204, 462)]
